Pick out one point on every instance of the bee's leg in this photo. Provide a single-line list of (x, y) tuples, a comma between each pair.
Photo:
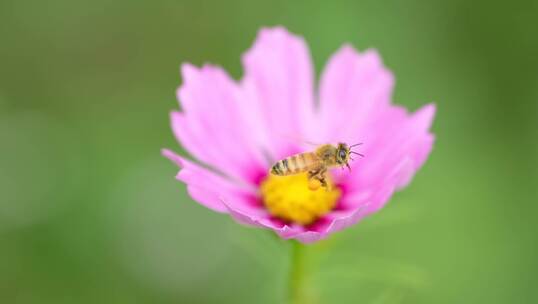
[(321, 178), (312, 173), (316, 178), (313, 180), (323, 182)]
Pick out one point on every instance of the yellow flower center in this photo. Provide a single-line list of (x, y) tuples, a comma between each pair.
[(290, 198)]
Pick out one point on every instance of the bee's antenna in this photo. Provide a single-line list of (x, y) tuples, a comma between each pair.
[(348, 167), (353, 152), (357, 144)]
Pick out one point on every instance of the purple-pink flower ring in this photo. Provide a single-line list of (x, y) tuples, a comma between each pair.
[(238, 130)]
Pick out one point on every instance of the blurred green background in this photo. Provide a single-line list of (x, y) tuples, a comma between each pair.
[(90, 212)]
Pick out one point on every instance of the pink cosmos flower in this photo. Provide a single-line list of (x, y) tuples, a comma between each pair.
[(237, 130)]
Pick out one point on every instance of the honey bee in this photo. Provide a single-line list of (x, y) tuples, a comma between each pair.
[(316, 163)]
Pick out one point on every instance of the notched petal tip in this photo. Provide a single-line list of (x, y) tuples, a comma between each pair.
[(428, 109), (277, 31), (187, 69), (192, 75), (373, 56), (347, 48), (269, 38), (176, 159), (425, 115), (348, 54)]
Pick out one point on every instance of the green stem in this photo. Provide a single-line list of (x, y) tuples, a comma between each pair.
[(296, 276)]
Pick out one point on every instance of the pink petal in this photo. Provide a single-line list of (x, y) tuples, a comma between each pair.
[(213, 127), (307, 237), (332, 222), (251, 216), (258, 218), (210, 189), (278, 81), (354, 88), (395, 149)]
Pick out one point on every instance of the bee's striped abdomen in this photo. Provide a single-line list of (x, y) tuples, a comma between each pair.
[(293, 164), (280, 168)]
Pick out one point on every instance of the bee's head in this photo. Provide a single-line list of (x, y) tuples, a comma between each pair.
[(343, 154)]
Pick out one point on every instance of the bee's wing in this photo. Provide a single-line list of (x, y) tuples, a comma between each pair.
[(299, 140), (313, 144)]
